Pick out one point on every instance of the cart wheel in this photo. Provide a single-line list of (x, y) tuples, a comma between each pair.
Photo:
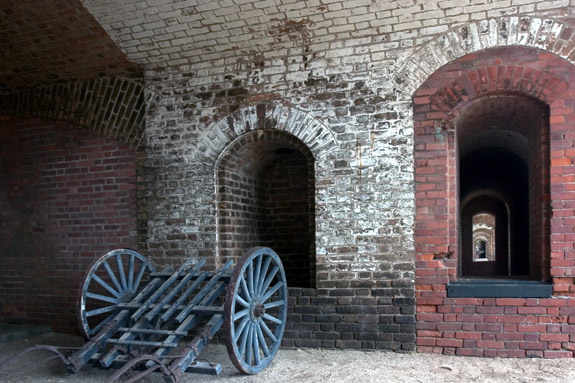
[(112, 279), (255, 310)]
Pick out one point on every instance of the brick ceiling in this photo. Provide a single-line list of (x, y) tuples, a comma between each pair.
[(504, 121), (44, 41)]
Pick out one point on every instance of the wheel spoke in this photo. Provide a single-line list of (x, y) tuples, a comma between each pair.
[(272, 319), (131, 272), (256, 345), (100, 311), (141, 272), (244, 338), (251, 278), (242, 302), (121, 270), (249, 348), (263, 274), (241, 314), (262, 340), (244, 288), (112, 276), (103, 283), (268, 332), (274, 304), (269, 279), (102, 298), (272, 291), (240, 329), (257, 274)]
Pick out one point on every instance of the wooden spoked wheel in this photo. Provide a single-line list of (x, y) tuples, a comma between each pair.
[(112, 279), (255, 310)]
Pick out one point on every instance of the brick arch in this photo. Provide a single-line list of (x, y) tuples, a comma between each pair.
[(480, 85), (550, 35), (114, 107), (266, 197), (486, 80), (302, 125), (506, 80)]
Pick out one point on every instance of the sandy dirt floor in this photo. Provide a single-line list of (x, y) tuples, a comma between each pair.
[(307, 365)]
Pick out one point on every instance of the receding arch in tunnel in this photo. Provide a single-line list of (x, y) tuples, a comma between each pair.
[(503, 162), (495, 181)]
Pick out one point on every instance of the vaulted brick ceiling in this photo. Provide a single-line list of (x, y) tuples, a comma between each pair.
[(49, 41), (43, 41)]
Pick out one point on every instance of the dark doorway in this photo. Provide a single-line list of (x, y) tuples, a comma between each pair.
[(266, 198), (503, 151), (485, 240), (495, 181)]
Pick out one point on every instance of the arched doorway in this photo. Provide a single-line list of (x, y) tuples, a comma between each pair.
[(502, 149), (266, 198), (507, 103), (485, 245)]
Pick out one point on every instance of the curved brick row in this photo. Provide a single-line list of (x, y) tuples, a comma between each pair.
[(523, 79), (315, 135), (550, 35), (113, 107)]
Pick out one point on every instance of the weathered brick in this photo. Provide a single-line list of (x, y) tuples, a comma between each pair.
[(335, 87)]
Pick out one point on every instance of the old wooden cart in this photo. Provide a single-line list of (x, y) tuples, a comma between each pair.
[(142, 320)]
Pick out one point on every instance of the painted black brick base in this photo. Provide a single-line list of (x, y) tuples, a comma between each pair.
[(351, 318)]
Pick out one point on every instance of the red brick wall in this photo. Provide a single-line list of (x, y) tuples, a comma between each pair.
[(493, 326), (67, 196)]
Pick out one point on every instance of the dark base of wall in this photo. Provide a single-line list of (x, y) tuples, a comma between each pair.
[(351, 318)]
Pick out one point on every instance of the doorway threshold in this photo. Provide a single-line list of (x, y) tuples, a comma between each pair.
[(499, 288)]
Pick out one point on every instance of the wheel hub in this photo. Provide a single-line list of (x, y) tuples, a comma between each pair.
[(257, 310)]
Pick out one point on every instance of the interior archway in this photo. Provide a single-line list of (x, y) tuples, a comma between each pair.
[(502, 142), (265, 198)]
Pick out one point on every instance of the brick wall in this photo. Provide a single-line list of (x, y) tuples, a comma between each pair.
[(350, 105), (516, 327), (67, 196), (350, 318), (338, 78), (361, 248)]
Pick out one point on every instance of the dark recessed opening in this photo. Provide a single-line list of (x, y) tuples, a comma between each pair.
[(284, 151), (503, 161), (266, 198), (494, 182)]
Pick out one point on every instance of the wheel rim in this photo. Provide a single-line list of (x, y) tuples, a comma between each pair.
[(112, 279), (255, 310)]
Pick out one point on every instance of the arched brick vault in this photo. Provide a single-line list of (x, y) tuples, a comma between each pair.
[(514, 59), (111, 106), (495, 76), (553, 39), (314, 134)]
